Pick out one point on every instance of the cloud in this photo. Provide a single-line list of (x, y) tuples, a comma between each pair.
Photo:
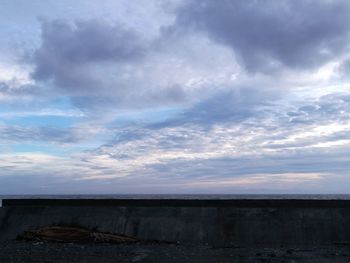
[(333, 106), (266, 35), (269, 152), (68, 50), (18, 134), (309, 139), (12, 94), (103, 65), (187, 99), (344, 69), (231, 105), (97, 64)]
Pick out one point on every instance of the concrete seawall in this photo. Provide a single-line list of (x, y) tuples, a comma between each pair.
[(244, 223)]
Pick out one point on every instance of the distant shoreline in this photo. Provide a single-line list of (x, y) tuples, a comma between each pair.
[(183, 196), (144, 202)]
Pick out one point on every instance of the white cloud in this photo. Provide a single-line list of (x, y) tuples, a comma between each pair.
[(160, 94)]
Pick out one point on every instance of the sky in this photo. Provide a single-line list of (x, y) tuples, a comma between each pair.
[(174, 97)]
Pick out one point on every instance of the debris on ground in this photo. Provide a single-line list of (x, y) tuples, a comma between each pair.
[(74, 235)]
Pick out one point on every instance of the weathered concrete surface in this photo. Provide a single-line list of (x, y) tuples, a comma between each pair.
[(263, 223), (42, 252)]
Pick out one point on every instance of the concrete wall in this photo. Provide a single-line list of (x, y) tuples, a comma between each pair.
[(239, 223)]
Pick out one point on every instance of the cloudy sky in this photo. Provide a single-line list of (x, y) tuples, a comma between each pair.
[(174, 96)]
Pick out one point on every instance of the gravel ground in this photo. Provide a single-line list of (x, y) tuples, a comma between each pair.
[(37, 252)]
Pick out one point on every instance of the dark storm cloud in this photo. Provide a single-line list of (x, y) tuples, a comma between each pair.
[(101, 65), (266, 34), (67, 50)]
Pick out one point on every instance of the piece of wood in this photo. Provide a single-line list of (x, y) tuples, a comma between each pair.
[(75, 235)]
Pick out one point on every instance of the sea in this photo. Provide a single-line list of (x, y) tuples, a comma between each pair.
[(184, 196)]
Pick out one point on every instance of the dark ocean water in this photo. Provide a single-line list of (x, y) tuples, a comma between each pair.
[(188, 196)]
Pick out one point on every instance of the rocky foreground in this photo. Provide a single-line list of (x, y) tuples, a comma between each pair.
[(39, 251)]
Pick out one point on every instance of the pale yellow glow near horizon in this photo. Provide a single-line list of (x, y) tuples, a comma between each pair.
[(264, 178)]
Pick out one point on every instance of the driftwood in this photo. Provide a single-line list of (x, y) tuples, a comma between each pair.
[(74, 235)]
